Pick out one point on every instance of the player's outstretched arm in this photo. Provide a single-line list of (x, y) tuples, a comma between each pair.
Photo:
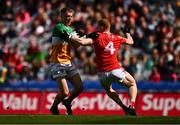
[(76, 39), (82, 41), (129, 39), (86, 41)]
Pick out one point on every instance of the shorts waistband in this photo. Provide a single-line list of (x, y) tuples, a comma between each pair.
[(65, 64), (62, 64)]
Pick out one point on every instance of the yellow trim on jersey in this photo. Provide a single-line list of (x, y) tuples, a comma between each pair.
[(60, 53)]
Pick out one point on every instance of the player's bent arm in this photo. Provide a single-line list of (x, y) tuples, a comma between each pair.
[(82, 41), (129, 39)]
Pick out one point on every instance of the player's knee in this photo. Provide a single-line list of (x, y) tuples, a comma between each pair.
[(108, 90), (133, 82)]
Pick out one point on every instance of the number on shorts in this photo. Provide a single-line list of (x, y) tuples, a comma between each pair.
[(110, 47)]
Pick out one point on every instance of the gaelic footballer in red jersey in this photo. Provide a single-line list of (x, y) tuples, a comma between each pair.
[(106, 46)]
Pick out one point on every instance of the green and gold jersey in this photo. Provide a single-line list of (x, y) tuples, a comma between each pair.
[(60, 50)]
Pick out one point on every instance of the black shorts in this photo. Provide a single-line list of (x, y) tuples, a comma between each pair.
[(58, 70)]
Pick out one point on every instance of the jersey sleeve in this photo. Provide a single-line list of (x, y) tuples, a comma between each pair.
[(121, 39)]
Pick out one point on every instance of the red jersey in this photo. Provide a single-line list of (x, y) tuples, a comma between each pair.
[(106, 48)]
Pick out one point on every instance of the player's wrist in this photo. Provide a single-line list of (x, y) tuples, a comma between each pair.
[(70, 36)]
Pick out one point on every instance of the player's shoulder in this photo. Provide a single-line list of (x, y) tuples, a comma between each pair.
[(110, 35), (117, 36), (60, 27)]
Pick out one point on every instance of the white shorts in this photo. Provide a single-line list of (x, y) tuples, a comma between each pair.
[(116, 75)]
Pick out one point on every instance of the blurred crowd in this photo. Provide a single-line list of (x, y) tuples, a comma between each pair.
[(26, 28)]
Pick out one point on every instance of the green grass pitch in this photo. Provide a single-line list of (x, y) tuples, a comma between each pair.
[(86, 119)]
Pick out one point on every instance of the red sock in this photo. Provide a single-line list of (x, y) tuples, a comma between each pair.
[(132, 104)]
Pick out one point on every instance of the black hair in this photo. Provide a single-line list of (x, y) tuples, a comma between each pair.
[(66, 10)]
